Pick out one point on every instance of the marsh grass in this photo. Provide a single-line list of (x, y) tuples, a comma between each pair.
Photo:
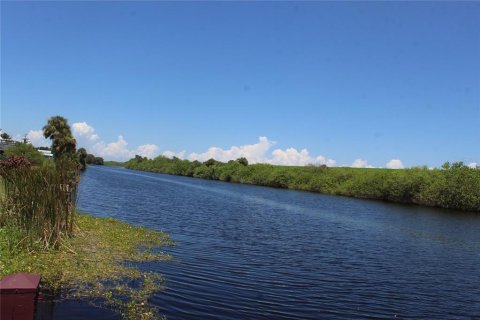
[(99, 264), (79, 256), (39, 201)]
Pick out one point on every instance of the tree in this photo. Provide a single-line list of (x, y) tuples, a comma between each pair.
[(211, 162), (27, 151), (99, 161), (139, 158), (458, 165), (243, 161), (91, 159), (63, 142), (5, 136), (82, 156)]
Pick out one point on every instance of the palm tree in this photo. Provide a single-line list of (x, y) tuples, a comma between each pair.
[(63, 142)]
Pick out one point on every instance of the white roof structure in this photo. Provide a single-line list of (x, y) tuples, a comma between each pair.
[(46, 153)]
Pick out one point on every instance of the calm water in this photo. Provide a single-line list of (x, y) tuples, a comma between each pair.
[(248, 252)]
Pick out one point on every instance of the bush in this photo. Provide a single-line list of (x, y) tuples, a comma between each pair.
[(27, 151)]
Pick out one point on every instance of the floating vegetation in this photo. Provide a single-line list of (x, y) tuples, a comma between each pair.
[(98, 264)]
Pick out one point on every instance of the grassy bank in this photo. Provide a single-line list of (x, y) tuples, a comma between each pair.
[(97, 264), (78, 255), (455, 186)]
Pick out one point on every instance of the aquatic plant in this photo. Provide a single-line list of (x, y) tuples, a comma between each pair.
[(98, 264)]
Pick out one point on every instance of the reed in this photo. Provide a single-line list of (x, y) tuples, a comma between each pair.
[(39, 201)]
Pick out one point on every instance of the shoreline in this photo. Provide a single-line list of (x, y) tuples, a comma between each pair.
[(97, 263), (457, 187)]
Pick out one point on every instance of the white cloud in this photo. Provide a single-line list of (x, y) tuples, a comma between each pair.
[(87, 138), (394, 164), (119, 150), (83, 130), (292, 156), (36, 138), (171, 154), (113, 150), (147, 150), (360, 163), (83, 133), (259, 153), (253, 152), (472, 165)]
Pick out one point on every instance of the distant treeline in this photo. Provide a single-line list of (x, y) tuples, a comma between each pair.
[(91, 159), (453, 186), (85, 158)]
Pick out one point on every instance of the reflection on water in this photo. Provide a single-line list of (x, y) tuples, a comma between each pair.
[(248, 252)]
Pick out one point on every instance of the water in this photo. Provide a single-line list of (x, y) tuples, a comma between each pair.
[(249, 252)]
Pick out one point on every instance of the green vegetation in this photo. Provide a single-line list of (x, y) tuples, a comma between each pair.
[(91, 159), (115, 163), (58, 130), (82, 158), (27, 151), (63, 146), (85, 158), (454, 186), (77, 255), (39, 201), (98, 262)]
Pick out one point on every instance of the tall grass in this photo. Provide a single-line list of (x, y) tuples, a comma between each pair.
[(39, 201)]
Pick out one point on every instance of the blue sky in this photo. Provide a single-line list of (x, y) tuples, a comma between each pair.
[(373, 81)]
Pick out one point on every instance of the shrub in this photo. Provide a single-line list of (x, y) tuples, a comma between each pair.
[(27, 151)]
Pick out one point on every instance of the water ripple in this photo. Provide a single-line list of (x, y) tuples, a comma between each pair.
[(249, 252)]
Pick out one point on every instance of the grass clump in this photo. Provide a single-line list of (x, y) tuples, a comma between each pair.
[(97, 264), (39, 201)]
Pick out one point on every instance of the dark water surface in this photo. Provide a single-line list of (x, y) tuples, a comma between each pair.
[(249, 252)]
